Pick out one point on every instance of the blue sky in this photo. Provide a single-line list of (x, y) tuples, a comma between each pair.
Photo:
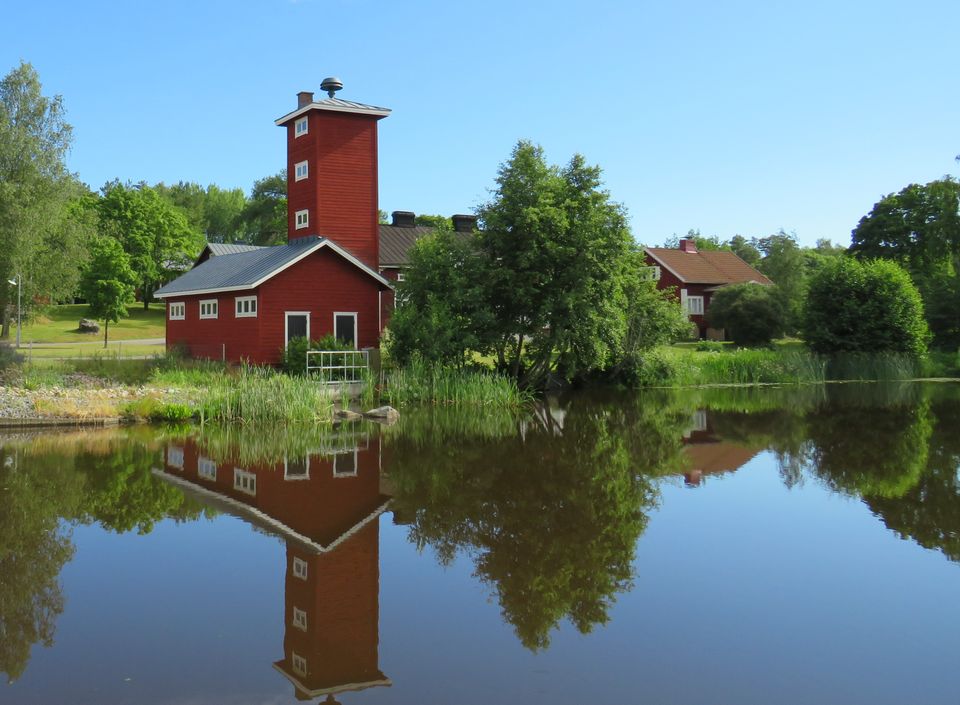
[(729, 117)]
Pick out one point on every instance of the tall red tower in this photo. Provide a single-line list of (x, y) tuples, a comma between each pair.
[(332, 171)]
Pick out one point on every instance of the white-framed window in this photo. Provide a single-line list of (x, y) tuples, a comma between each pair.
[(399, 276), (302, 219), (175, 457), (246, 306), (296, 468), (299, 568), (244, 481), (299, 663), (345, 464), (700, 420), (177, 310), (206, 469), (695, 305), (209, 308), (299, 618), (651, 273), (301, 170), (345, 327), (300, 126)]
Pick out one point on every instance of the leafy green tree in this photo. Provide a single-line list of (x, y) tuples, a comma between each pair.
[(153, 232), (783, 262), (555, 247), (751, 313), (107, 283), (37, 238), (264, 217), (745, 250), (213, 211), (867, 307), (441, 311), (433, 221), (703, 242)]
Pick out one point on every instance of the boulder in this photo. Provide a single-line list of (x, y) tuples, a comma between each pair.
[(383, 414), (88, 326), (347, 415)]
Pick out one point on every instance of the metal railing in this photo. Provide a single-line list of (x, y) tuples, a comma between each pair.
[(338, 366)]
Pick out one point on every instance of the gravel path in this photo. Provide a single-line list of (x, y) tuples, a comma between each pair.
[(81, 402)]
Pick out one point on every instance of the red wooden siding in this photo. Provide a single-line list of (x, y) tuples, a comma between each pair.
[(235, 338), (668, 280), (341, 190)]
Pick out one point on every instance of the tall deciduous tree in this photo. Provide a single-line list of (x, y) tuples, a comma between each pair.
[(154, 233), (783, 262), (107, 283), (212, 211), (264, 218), (37, 235)]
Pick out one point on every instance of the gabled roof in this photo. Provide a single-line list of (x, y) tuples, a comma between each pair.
[(334, 105), (706, 266), (248, 270), (396, 241), (223, 248)]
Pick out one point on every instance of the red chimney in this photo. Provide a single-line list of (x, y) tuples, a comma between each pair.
[(687, 245), (332, 172)]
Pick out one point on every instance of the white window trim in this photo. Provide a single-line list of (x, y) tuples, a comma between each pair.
[(347, 313), (352, 473), (297, 132), (239, 474), (177, 310), (299, 618), (306, 219), (299, 664), (286, 470), (216, 309), (206, 469), (237, 301), (175, 457), (691, 300), (306, 170), (300, 568), (399, 276), (286, 325)]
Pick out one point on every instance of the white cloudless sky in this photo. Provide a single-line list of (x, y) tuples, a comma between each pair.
[(735, 117)]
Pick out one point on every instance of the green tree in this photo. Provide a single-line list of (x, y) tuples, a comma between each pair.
[(212, 211), (866, 307), (264, 217), (751, 313), (555, 247), (433, 221), (703, 242), (745, 250), (37, 238), (107, 283), (153, 232), (783, 262)]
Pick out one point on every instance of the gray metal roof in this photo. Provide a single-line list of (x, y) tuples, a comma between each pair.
[(396, 241), (222, 248), (244, 270), (335, 105)]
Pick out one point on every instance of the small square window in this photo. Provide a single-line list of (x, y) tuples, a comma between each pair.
[(695, 305), (246, 306), (303, 219), (300, 568), (177, 311), (208, 308), (207, 469), (301, 171), (244, 481), (299, 663), (296, 468), (399, 276), (300, 127), (175, 457), (345, 464), (299, 618)]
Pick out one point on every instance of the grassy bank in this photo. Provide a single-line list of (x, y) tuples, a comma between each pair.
[(420, 383), (58, 324)]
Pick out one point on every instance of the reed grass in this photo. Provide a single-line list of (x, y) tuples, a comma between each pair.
[(424, 383), (262, 395)]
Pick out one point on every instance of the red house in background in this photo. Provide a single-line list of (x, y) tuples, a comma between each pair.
[(248, 302), (697, 275)]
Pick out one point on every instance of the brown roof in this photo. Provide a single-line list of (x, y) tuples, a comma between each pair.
[(707, 266), (396, 241)]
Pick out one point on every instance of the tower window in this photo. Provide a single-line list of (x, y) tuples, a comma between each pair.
[(303, 219), (301, 171), (300, 127)]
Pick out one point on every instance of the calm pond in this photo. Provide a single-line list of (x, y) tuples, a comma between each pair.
[(710, 546)]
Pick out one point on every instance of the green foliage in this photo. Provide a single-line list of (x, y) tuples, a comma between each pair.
[(422, 382), (294, 360), (107, 282), (263, 219), (751, 314), (784, 264), (709, 346), (671, 367), (212, 211), (745, 250), (172, 413), (153, 232), (867, 307), (261, 395), (433, 221)]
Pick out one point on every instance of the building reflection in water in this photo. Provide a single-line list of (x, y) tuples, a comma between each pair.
[(325, 506), (706, 453)]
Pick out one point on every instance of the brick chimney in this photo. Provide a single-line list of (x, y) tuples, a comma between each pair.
[(688, 245), (332, 173), (464, 223), (403, 219)]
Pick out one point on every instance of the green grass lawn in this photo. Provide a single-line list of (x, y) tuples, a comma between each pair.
[(89, 350), (58, 324)]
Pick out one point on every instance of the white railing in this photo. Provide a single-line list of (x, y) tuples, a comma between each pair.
[(338, 366)]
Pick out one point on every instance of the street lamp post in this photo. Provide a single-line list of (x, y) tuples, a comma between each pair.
[(19, 283)]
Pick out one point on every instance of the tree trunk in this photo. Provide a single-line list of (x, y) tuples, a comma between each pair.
[(106, 327), (516, 359), (5, 314)]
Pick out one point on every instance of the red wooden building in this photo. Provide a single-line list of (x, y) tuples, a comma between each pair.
[(696, 275), (246, 303)]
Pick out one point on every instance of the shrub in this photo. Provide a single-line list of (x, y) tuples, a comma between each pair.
[(710, 346), (9, 357), (864, 307), (295, 356), (751, 314)]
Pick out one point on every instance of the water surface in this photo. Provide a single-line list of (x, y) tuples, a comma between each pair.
[(717, 546)]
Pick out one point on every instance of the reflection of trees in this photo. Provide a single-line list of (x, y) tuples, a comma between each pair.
[(33, 549), (45, 482), (552, 520)]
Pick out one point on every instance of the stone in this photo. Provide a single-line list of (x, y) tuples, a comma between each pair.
[(347, 415), (88, 326), (383, 414)]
